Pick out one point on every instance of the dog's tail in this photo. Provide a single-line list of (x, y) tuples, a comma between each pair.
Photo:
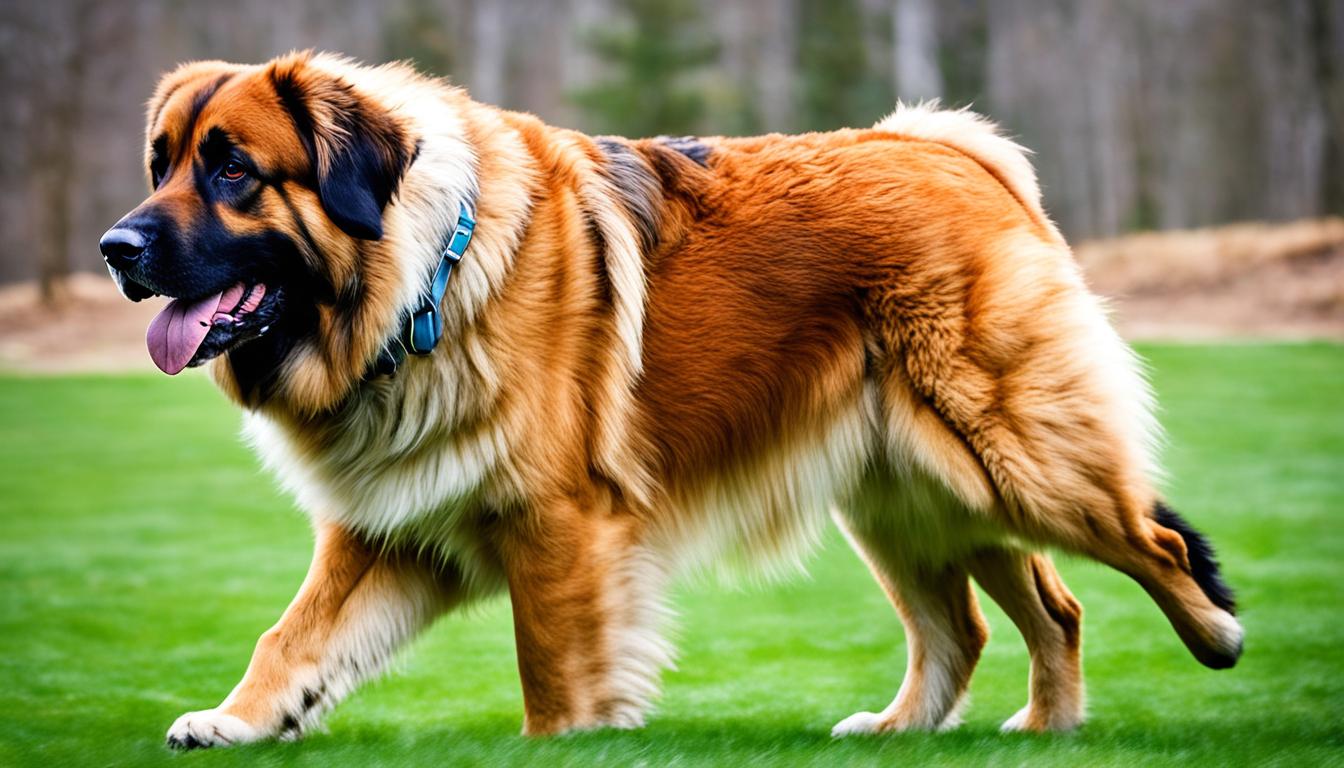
[(1203, 564), (976, 137), (1193, 595)]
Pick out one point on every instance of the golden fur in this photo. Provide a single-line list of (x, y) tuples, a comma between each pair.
[(665, 352)]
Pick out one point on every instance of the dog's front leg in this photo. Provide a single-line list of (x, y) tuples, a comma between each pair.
[(587, 613), (355, 607)]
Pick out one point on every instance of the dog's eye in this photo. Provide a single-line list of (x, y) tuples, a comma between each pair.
[(233, 171)]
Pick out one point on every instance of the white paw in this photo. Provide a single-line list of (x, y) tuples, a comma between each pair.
[(210, 728), (1060, 722), (1228, 635), (1017, 722), (857, 723)]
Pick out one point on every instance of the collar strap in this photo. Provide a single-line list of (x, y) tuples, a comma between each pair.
[(424, 327)]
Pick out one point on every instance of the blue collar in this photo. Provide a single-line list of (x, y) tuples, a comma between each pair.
[(424, 327)]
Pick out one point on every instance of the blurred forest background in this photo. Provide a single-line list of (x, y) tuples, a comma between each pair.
[(1144, 114)]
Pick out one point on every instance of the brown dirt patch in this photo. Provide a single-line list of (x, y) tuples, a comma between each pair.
[(1275, 281), (94, 329)]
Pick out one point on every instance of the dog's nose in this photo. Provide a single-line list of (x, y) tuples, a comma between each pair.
[(122, 246)]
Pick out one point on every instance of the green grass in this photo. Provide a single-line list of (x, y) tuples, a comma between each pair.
[(142, 551)]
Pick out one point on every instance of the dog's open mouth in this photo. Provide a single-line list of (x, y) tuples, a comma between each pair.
[(189, 332)]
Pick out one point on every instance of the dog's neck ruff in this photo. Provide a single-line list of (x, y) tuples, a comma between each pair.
[(422, 329)]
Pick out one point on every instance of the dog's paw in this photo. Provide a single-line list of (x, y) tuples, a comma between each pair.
[(1018, 722), (210, 728), (857, 724), (893, 720), (1027, 721)]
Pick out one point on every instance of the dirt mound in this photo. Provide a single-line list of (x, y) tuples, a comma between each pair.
[(1240, 281)]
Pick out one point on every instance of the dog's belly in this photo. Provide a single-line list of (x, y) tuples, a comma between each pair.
[(767, 510), (764, 512)]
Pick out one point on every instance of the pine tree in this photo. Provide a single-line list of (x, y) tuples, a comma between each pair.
[(419, 33), (652, 60), (837, 85)]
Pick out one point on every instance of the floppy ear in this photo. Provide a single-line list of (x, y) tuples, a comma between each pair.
[(357, 149)]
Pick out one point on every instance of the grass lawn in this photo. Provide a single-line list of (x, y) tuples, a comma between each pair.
[(142, 552)]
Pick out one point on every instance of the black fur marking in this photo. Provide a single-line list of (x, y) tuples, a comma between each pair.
[(1093, 526), (362, 179), (368, 154), (249, 201), (167, 97), (680, 179), (291, 98), (690, 146), (602, 277), (187, 743), (311, 254), (641, 193), (215, 145), (311, 698), (203, 97), (1203, 564), (256, 364), (290, 723), (158, 160)]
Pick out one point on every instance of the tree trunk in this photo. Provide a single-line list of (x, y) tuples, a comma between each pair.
[(915, 51), (59, 162)]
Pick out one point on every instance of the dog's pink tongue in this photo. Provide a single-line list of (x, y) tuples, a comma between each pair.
[(176, 333)]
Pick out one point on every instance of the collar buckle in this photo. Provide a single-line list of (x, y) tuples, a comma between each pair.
[(424, 327)]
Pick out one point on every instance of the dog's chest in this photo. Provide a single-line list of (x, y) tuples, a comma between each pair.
[(383, 482)]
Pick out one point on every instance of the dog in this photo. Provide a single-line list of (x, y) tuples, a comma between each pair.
[(487, 355)]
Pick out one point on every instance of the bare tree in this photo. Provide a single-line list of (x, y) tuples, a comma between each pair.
[(916, 73), (1328, 44), (67, 31), (489, 62)]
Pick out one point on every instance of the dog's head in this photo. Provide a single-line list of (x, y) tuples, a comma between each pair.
[(268, 191)]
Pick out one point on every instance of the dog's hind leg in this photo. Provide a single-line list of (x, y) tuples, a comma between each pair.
[(944, 628), (1028, 589), (357, 605), (1004, 380)]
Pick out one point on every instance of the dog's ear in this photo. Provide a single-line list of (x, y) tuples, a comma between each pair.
[(358, 151)]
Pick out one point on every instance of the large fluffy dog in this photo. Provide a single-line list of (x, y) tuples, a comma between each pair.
[(654, 354)]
